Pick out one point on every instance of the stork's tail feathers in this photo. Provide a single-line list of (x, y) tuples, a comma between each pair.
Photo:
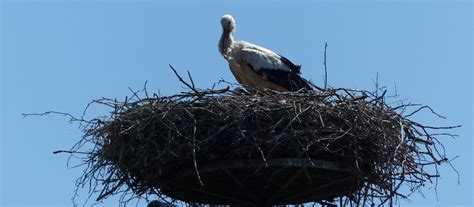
[(293, 67), (297, 69), (301, 83)]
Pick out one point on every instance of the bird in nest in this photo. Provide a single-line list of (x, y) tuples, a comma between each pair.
[(256, 67)]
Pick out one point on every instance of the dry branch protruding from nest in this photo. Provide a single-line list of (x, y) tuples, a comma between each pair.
[(145, 139)]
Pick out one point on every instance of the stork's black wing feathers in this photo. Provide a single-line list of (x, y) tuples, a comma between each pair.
[(293, 67), (287, 79)]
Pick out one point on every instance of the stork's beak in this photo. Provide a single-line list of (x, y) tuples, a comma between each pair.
[(226, 34)]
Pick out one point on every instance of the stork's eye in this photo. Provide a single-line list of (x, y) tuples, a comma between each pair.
[(228, 23)]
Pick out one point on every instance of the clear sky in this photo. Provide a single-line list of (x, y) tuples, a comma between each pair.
[(59, 55)]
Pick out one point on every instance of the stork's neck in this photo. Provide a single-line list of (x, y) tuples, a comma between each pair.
[(226, 41)]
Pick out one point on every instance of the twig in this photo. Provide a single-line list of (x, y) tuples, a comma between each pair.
[(185, 83), (325, 66), (191, 79)]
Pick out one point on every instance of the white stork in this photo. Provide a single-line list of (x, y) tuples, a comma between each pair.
[(257, 67)]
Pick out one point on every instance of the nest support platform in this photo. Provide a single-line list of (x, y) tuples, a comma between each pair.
[(260, 183)]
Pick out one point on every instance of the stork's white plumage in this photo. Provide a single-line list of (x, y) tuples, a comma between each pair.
[(258, 67)]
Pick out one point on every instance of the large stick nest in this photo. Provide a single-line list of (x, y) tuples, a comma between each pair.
[(145, 141)]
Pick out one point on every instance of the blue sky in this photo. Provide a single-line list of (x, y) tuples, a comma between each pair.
[(59, 55)]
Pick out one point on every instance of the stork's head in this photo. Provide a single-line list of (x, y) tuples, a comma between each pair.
[(228, 23), (228, 28)]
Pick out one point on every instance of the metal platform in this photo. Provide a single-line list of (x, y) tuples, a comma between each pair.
[(259, 183)]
